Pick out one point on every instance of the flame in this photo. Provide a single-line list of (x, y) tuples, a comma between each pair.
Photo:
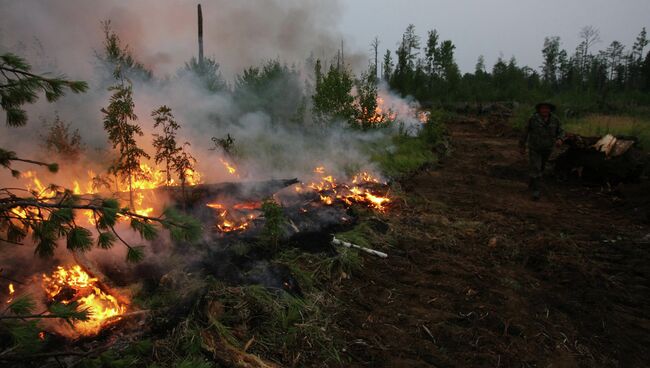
[(152, 178), (237, 217), (72, 284), (330, 190), (11, 293), (232, 170), (41, 335)]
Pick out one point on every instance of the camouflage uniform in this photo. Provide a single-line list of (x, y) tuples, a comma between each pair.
[(541, 137)]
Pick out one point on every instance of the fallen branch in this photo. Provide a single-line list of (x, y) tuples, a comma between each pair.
[(339, 242), (230, 356)]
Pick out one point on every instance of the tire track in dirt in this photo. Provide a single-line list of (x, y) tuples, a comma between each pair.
[(481, 276)]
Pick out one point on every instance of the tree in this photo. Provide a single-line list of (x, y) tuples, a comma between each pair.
[(165, 144), (183, 164), (333, 98), (430, 52), (61, 140), (375, 48), (207, 73), (119, 59), (367, 101), (403, 78), (551, 53), (273, 88), (590, 36), (614, 56), (446, 62), (640, 45), (480, 65), (121, 133), (387, 66)]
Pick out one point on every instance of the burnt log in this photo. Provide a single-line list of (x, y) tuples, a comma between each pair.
[(228, 193)]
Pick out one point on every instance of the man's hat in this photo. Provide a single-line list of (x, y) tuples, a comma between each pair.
[(545, 103)]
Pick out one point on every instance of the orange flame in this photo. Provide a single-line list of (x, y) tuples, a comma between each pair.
[(330, 190), (11, 293), (232, 170), (237, 217), (75, 285)]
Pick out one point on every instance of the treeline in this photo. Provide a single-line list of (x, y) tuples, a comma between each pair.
[(588, 77)]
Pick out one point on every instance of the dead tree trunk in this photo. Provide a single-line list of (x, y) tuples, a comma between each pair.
[(200, 13)]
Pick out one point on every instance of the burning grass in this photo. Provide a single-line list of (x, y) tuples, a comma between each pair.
[(74, 285)]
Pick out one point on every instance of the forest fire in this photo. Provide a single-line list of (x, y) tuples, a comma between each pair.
[(382, 113), (152, 178), (73, 284)]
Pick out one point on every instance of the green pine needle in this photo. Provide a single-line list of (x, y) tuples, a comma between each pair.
[(22, 305), (135, 254), (106, 240), (80, 239)]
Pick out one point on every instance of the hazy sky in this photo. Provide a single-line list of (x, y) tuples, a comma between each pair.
[(491, 27)]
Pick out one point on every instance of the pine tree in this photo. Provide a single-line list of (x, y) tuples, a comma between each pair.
[(551, 53), (387, 66), (118, 116), (333, 98), (183, 164), (165, 143)]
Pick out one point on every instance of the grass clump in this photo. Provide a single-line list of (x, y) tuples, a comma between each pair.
[(403, 153)]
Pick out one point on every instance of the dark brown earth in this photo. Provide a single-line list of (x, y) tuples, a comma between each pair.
[(481, 276)]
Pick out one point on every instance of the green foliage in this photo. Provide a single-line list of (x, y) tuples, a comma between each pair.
[(79, 239), (181, 227), (23, 304), (285, 327), (333, 98), (403, 154), (208, 73), (274, 223), (135, 254), (165, 144), (121, 134), (601, 79), (273, 88), (119, 59), (19, 86), (146, 229), (69, 312), (366, 114), (106, 240)]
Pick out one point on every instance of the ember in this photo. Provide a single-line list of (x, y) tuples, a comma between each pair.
[(237, 217), (73, 284)]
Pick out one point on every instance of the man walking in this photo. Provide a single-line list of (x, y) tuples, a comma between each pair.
[(542, 132)]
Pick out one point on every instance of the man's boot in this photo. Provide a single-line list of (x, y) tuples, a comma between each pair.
[(534, 186)]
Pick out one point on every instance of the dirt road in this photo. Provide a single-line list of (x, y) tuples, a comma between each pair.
[(481, 276)]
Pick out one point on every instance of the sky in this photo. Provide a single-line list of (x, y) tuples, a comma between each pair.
[(493, 27), (240, 33)]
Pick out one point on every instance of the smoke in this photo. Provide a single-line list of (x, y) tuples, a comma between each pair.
[(274, 134), (237, 33)]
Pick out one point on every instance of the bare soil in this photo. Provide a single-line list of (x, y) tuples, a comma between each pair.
[(481, 276)]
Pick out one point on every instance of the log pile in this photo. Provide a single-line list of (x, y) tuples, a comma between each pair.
[(607, 159)]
